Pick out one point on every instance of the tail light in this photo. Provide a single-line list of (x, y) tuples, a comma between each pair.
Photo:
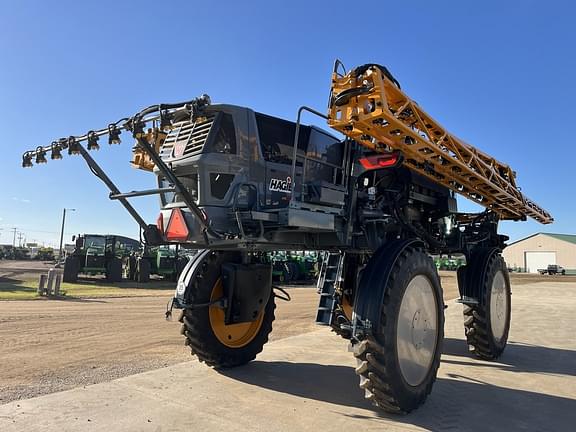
[(384, 160), (177, 229), (160, 223)]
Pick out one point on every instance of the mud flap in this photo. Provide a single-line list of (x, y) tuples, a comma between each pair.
[(187, 275), (247, 288), (371, 289)]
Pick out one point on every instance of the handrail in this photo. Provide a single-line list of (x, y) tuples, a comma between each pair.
[(296, 138)]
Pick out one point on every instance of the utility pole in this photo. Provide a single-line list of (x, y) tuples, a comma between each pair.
[(14, 239), (62, 231), (20, 237)]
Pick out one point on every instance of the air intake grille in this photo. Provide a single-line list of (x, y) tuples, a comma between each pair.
[(187, 139)]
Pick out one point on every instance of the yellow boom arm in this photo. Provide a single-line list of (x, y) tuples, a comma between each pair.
[(368, 106)]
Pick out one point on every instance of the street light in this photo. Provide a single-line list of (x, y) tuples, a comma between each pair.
[(62, 231)]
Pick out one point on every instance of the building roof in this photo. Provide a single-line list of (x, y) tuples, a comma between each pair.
[(570, 238)]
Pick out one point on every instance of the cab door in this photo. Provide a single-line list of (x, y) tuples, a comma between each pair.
[(277, 144)]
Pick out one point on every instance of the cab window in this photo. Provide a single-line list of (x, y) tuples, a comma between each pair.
[(225, 139), (325, 148), (277, 138), (324, 155)]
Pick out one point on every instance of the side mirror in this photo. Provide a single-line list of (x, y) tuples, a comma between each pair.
[(79, 242)]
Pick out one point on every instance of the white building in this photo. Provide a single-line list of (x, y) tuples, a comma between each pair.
[(540, 250)]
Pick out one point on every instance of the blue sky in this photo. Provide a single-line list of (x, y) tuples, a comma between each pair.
[(500, 75)]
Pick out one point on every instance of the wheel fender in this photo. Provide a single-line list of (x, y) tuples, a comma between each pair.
[(187, 275), (472, 277), (373, 281)]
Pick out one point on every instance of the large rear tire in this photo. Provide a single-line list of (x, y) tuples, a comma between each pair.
[(210, 339), (114, 270), (398, 363), (487, 324), (71, 269)]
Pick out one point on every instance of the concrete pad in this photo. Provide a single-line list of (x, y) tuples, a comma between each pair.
[(308, 383)]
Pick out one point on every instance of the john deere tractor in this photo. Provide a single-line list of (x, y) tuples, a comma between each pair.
[(96, 254), (377, 193)]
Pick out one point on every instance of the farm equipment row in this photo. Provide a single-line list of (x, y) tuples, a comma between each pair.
[(118, 257)]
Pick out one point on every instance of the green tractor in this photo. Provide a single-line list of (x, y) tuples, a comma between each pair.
[(280, 270), (296, 266), (96, 254), (164, 261), (303, 265), (448, 263)]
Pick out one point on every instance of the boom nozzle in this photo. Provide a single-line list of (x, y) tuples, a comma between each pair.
[(40, 155), (162, 116)]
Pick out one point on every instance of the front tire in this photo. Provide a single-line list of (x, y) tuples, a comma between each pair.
[(398, 363), (210, 339)]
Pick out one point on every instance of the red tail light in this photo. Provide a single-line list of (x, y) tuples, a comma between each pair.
[(386, 160), (160, 223), (177, 229)]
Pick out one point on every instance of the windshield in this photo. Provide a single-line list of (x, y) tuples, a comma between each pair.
[(94, 242)]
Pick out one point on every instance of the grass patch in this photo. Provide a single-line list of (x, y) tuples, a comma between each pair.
[(26, 289), (17, 291)]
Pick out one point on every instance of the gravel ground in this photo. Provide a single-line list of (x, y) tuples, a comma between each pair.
[(49, 345)]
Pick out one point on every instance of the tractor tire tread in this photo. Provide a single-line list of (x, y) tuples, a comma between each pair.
[(198, 332), (376, 377), (476, 324)]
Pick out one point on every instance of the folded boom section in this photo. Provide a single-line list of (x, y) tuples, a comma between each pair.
[(368, 106)]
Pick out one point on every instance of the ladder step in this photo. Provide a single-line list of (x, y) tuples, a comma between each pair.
[(326, 285)]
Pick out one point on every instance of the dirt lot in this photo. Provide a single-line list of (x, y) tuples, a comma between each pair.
[(53, 345)]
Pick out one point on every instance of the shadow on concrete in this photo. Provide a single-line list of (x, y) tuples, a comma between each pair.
[(518, 357), (462, 403)]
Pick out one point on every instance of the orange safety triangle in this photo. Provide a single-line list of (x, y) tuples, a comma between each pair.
[(177, 229)]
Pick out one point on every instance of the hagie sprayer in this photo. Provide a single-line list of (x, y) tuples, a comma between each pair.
[(237, 184)]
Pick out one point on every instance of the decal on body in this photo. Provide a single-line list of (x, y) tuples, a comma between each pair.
[(279, 185)]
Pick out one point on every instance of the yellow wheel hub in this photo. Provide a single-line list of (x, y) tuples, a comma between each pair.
[(347, 307), (233, 335)]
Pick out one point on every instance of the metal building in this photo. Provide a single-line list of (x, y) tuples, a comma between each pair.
[(540, 250)]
